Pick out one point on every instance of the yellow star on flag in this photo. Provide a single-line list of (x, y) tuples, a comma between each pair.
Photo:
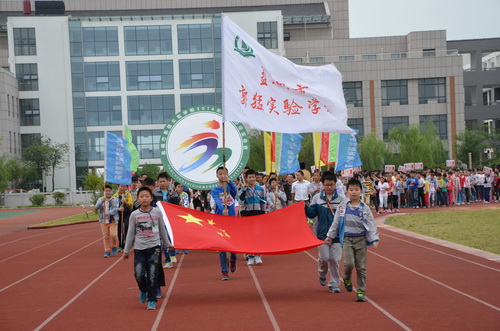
[(191, 219), (211, 222)]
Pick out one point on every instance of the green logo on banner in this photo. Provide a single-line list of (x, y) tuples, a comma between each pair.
[(241, 47), (191, 147)]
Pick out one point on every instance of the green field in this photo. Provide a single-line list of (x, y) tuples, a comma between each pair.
[(85, 217), (478, 229)]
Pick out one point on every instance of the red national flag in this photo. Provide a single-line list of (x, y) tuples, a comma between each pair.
[(280, 232)]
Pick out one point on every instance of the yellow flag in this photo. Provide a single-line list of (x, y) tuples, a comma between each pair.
[(267, 152), (317, 149)]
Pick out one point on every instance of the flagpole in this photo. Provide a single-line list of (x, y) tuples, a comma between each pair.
[(224, 162), (104, 175)]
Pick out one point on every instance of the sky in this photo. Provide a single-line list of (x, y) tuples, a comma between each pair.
[(462, 19)]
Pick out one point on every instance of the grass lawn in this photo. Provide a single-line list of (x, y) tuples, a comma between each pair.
[(84, 217), (478, 229)]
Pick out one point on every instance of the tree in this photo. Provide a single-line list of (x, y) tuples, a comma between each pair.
[(94, 182), (372, 152), (19, 171), (36, 155), (306, 154), (4, 172), (57, 157), (152, 170), (257, 154), (418, 143), (45, 155), (474, 142)]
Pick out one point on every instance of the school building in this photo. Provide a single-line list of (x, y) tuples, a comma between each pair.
[(87, 67)]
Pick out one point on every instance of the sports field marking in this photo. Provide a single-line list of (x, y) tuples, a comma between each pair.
[(441, 252), (9, 214), (37, 247), (35, 235), (264, 300), (76, 296), (437, 282), (167, 296), (377, 306), (48, 266)]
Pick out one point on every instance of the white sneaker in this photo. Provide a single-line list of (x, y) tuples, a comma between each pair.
[(250, 261), (173, 259), (258, 260)]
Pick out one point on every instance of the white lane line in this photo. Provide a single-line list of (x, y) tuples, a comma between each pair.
[(37, 247), (264, 300), (438, 282), (35, 235), (167, 296), (447, 254), (382, 310), (48, 266), (47, 321)]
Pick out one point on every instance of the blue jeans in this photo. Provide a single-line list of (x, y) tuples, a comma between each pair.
[(414, 197), (223, 261), (147, 269)]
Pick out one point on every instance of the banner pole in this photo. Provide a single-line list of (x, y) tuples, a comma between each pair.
[(224, 162), (104, 174)]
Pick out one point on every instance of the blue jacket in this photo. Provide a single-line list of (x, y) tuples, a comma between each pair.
[(319, 208), (218, 196)]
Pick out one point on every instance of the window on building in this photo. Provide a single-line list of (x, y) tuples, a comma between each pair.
[(316, 60), (30, 112), (102, 76), (148, 40), (198, 99), (286, 36), (440, 123), (147, 143), (196, 73), (431, 89), (150, 75), (267, 34), (353, 93), (195, 38), (100, 41), (346, 58), (296, 60), (150, 109), (394, 90), (96, 144), (24, 41), (429, 52), (356, 124), (104, 111), (398, 56), (28, 139), (369, 57), (389, 123), (27, 76)]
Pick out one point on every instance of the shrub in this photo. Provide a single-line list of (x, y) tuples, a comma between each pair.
[(37, 199), (59, 197)]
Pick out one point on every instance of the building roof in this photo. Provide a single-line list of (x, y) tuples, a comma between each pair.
[(296, 11)]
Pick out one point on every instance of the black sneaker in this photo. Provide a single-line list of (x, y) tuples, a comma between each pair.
[(232, 265), (360, 297), (322, 281), (347, 284)]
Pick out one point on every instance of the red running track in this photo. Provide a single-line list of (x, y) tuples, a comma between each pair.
[(56, 279)]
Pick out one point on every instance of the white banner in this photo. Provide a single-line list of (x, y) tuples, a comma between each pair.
[(270, 93)]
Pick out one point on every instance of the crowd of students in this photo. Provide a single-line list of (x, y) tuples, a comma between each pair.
[(129, 217)]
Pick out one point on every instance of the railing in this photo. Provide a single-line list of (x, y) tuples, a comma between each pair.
[(13, 200), (315, 60)]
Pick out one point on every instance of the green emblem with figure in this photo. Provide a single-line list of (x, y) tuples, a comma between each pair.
[(191, 147), (242, 48)]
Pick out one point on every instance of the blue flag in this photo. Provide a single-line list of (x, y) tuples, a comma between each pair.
[(117, 160), (291, 143), (348, 156)]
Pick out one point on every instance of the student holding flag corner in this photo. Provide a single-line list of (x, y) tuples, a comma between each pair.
[(324, 205), (225, 190)]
